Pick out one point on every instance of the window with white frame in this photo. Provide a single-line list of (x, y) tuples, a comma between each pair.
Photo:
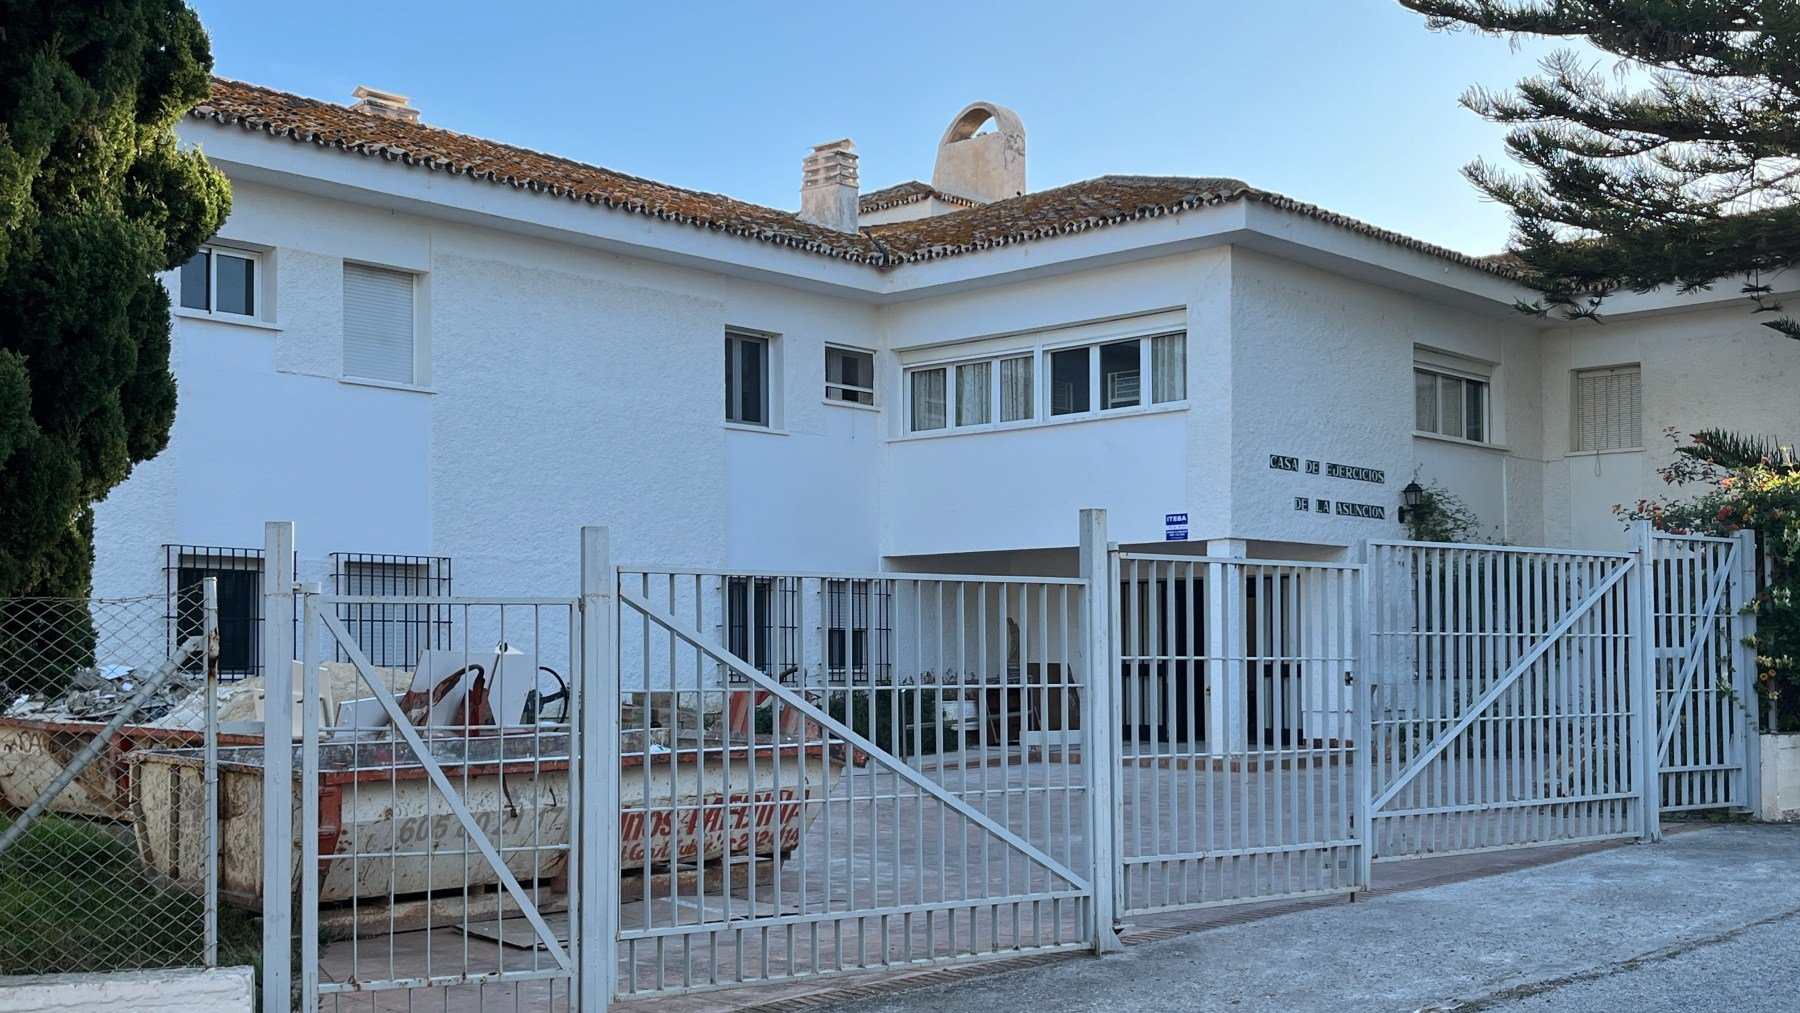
[(1609, 409), (849, 375), (1450, 403), (1085, 379), (379, 330), (221, 282), (390, 634), (746, 378)]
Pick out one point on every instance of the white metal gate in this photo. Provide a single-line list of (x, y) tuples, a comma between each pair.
[(1504, 707), (824, 773), (1240, 775), (437, 812), (1705, 674)]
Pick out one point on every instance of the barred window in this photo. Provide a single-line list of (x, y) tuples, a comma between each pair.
[(239, 576), (393, 635)]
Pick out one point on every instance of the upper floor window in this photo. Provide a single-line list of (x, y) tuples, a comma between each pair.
[(221, 282), (1609, 409), (849, 375), (1450, 404), (379, 328), (746, 378), (1082, 380)]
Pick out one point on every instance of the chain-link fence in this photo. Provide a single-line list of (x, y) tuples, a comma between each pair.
[(102, 865)]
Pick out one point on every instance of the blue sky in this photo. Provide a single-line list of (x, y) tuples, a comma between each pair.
[(1350, 104)]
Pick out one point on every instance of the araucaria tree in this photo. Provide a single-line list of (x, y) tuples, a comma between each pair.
[(1671, 156), (95, 199)]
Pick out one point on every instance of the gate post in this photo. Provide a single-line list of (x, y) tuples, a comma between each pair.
[(277, 661), (1743, 667), (1100, 731), (594, 835), (1647, 753), (1362, 713)]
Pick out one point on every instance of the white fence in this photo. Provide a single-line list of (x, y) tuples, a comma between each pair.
[(755, 777)]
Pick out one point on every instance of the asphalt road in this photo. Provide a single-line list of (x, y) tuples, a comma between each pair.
[(1706, 920)]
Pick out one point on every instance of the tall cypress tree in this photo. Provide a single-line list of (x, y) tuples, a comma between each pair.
[(95, 199), (1674, 162)]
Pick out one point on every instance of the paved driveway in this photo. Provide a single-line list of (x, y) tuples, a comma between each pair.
[(1707, 920)]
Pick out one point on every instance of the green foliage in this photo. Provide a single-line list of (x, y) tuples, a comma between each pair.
[(96, 197), (1669, 165), (1760, 495), (75, 898), (1442, 517)]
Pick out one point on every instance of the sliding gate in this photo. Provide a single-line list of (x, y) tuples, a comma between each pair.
[(1503, 708)]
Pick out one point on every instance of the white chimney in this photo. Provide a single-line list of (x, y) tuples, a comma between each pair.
[(376, 102), (828, 187)]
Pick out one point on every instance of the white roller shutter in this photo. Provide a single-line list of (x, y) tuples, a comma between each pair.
[(1609, 412), (378, 324)]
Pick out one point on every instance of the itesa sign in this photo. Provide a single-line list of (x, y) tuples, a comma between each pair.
[(1330, 469)]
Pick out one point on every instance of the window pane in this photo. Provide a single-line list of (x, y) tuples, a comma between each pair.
[(746, 379), (1121, 375), (974, 394), (236, 281), (928, 399), (1168, 368), (194, 282), (1608, 409), (846, 370), (1450, 412), (378, 323), (1015, 389), (1069, 374), (1475, 411), (1424, 401)]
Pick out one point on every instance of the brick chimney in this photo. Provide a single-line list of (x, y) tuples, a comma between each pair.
[(392, 105), (828, 187)]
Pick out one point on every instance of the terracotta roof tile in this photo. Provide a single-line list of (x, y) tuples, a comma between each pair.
[(1064, 210), (910, 192)]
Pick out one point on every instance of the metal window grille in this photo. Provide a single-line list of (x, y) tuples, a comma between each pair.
[(393, 635), (762, 624), (239, 573), (859, 630)]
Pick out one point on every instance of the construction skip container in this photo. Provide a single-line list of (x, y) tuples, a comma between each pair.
[(385, 831)]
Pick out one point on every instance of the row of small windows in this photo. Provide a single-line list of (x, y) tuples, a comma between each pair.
[(1021, 386), (380, 308)]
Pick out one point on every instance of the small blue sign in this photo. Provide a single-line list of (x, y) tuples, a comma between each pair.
[(1175, 520), (1175, 535)]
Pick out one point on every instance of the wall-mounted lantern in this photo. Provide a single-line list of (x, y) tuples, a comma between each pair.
[(1412, 498)]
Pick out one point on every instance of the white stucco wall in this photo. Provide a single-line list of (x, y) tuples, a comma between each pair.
[(1322, 370), (218, 990), (1710, 368)]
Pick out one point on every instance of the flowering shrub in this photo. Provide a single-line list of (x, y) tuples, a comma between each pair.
[(1746, 484)]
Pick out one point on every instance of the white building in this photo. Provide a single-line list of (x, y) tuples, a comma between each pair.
[(439, 355)]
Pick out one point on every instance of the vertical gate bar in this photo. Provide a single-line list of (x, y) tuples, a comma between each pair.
[(1100, 748), (1743, 668), (1364, 672), (309, 795), (593, 909), (278, 764), (1647, 761), (209, 594)]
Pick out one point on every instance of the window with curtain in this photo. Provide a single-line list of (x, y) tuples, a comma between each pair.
[(1168, 368), (1016, 401), (378, 324), (974, 394), (1450, 405), (930, 399)]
